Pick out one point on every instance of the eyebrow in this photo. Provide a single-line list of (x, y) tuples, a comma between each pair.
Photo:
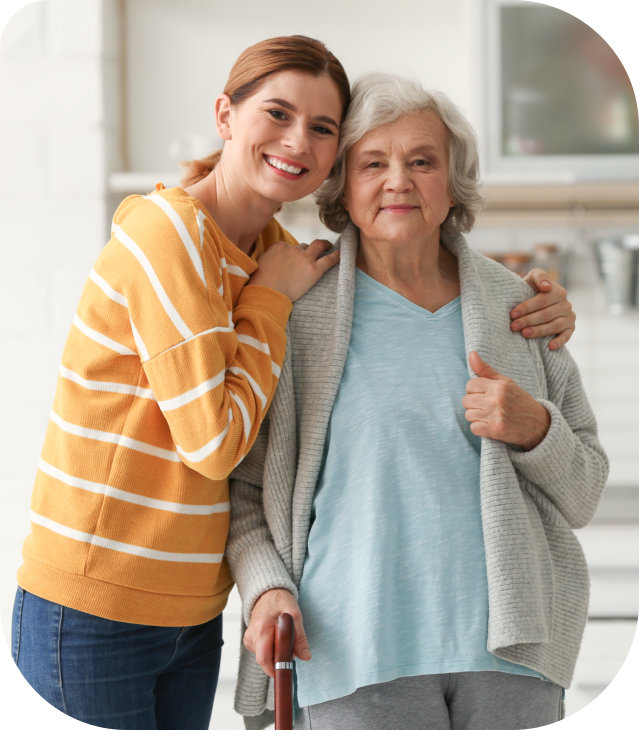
[(291, 107), (419, 149)]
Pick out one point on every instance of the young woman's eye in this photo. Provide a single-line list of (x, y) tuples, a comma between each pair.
[(320, 129)]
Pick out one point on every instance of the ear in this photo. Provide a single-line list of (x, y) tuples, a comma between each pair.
[(223, 113)]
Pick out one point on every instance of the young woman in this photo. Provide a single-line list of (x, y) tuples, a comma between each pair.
[(170, 366)]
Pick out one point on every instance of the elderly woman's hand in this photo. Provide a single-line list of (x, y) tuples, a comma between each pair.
[(260, 634), (547, 313), (499, 409)]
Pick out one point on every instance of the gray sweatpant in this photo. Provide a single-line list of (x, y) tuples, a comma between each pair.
[(463, 701)]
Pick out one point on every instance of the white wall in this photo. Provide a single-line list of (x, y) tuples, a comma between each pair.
[(190, 46), (58, 139)]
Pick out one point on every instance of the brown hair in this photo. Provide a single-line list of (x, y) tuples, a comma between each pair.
[(256, 63)]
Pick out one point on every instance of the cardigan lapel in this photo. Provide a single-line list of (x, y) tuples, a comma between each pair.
[(320, 333)]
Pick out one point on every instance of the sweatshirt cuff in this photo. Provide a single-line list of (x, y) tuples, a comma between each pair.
[(267, 301)]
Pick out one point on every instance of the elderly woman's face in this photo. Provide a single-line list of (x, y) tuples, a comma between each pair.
[(397, 180)]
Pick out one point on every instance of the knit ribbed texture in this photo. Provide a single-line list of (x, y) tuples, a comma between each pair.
[(166, 375), (537, 576)]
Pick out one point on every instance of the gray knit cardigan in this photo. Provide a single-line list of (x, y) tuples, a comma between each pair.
[(531, 501)]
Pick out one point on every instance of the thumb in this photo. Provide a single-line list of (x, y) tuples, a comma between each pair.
[(539, 280), (483, 369), (300, 646)]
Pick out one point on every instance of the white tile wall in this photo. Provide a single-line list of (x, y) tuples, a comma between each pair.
[(58, 121)]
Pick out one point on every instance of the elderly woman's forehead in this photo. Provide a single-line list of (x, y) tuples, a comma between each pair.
[(424, 122)]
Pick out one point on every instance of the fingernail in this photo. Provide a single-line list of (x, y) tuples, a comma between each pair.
[(516, 326), (306, 654), (515, 314), (527, 332)]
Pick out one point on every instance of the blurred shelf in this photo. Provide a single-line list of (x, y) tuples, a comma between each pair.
[(140, 182)]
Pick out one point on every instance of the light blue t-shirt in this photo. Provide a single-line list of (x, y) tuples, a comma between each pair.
[(394, 581)]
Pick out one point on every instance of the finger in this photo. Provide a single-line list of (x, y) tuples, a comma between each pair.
[(560, 340), (477, 385), (555, 296), (264, 651), (539, 280), (482, 368), (557, 327), (301, 647), (474, 401), (302, 246), (473, 415), (318, 246), (557, 313), (327, 262)]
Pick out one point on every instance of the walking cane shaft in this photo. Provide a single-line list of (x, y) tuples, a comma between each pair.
[(284, 639)]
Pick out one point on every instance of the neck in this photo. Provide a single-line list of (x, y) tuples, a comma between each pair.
[(241, 214), (424, 272)]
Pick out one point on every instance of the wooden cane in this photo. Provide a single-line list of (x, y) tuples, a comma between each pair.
[(284, 639)]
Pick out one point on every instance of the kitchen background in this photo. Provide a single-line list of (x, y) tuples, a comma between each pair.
[(100, 98)]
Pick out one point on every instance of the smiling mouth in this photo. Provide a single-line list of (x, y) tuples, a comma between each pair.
[(285, 166)]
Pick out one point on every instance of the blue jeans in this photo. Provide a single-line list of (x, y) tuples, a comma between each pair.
[(114, 674)]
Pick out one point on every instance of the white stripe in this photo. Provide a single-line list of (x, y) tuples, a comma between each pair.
[(171, 311), (254, 342), (107, 288), (237, 271), (113, 438), (106, 386), (246, 418), (161, 504), (100, 338), (200, 226), (232, 269), (144, 353), (262, 347), (201, 334), (254, 386), (182, 232), (190, 395), (124, 547), (209, 447)]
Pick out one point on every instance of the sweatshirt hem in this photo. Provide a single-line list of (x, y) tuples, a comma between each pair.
[(116, 602)]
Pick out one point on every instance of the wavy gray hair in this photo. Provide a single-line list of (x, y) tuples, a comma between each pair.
[(380, 98)]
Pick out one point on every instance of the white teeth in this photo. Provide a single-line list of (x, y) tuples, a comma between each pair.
[(283, 166)]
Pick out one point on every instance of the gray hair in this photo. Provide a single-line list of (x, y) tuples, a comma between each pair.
[(378, 99)]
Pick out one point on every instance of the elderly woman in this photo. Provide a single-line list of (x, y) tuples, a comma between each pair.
[(423, 467)]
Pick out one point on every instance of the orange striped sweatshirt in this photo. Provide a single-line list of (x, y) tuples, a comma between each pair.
[(168, 369)]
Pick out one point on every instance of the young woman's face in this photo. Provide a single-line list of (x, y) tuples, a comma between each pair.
[(282, 140)]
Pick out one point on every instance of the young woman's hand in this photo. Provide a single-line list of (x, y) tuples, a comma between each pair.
[(547, 313), (260, 634), (293, 270), (499, 409)]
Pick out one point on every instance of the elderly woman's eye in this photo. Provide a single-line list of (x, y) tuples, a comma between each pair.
[(421, 162), (277, 114)]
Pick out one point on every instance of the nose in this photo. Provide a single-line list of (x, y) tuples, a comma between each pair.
[(297, 139), (398, 179)]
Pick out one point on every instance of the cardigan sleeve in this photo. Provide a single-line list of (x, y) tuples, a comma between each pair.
[(211, 348), (255, 563), (569, 466)]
